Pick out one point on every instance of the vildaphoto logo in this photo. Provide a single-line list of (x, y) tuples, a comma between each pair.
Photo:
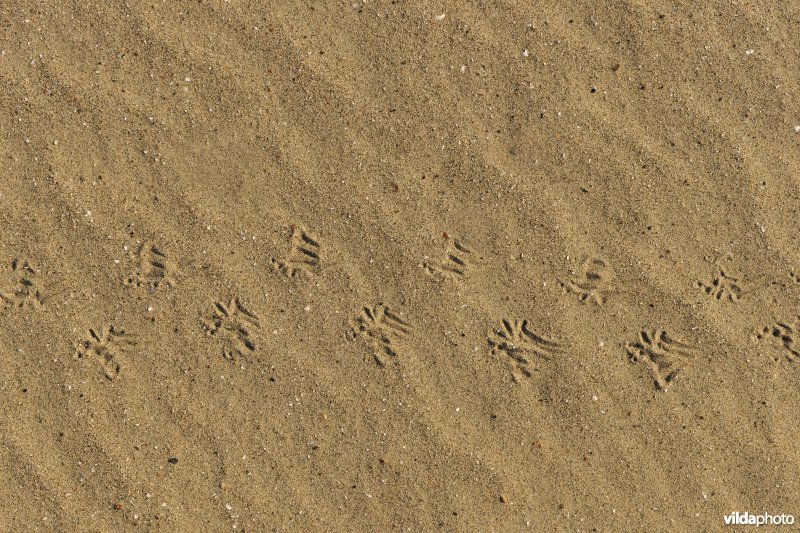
[(747, 519)]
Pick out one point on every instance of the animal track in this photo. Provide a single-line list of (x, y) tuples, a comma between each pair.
[(593, 283), (232, 322), (304, 255), (25, 292), (106, 347), (786, 334), (155, 268), (382, 328), (722, 286), (454, 263), (661, 354), (520, 343)]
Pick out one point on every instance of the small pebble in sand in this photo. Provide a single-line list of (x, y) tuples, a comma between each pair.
[(797, 129), (118, 506), (439, 17), (55, 142), (307, 308), (525, 53)]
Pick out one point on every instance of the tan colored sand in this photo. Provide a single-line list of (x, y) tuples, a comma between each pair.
[(358, 267)]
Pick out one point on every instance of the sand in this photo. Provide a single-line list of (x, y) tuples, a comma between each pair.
[(279, 266)]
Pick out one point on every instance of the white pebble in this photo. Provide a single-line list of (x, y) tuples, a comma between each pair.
[(797, 129), (525, 53), (439, 17)]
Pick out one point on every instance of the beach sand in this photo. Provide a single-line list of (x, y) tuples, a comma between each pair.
[(303, 266)]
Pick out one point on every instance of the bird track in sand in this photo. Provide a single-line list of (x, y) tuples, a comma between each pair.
[(519, 343), (232, 323), (106, 346), (382, 327), (786, 334), (25, 290), (303, 257), (593, 282), (663, 356), (454, 264), (154, 268), (722, 286)]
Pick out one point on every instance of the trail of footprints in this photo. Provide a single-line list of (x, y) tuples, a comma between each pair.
[(233, 326)]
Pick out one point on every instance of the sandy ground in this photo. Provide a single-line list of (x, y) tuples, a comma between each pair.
[(389, 265)]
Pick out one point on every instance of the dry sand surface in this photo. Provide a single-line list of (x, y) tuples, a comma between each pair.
[(391, 265)]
